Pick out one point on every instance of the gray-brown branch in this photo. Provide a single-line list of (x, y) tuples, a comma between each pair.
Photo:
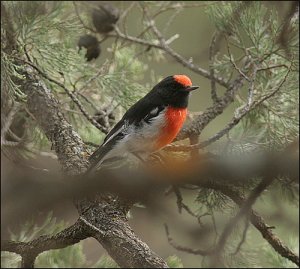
[(106, 213), (258, 222), (30, 250)]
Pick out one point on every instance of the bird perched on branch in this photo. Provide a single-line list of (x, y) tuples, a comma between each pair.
[(150, 124)]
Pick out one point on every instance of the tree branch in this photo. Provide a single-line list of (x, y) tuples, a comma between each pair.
[(240, 113), (198, 124), (180, 59), (103, 129), (107, 213), (30, 250), (212, 52), (245, 208), (257, 221)]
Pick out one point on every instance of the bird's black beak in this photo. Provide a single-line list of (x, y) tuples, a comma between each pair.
[(192, 88)]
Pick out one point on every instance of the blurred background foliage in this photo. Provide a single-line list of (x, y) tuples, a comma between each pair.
[(48, 33)]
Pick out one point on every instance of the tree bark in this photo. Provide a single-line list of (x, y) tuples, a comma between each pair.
[(104, 214)]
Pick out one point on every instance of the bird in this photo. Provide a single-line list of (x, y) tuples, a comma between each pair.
[(150, 124)]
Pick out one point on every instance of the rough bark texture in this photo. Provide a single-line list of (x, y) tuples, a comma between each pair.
[(105, 216), (30, 250)]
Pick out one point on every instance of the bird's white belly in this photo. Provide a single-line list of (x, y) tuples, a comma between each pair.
[(140, 140)]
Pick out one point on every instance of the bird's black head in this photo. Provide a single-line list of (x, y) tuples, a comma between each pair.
[(174, 90)]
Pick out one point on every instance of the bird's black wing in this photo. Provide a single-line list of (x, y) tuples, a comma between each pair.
[(145, 109), (116, 134), (142, 112)]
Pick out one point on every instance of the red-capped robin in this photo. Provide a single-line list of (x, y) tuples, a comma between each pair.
[(150, 124)]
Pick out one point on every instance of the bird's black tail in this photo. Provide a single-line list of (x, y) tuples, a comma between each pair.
[(97, 157)]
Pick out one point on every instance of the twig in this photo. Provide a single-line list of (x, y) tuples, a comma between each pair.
[(179, 198), (251, 88), (171, 19), (239, 114), (233, 62), (101, 70), (124, 15), (82, 22), (257, 221), (30, 250), (182, 5), (272, 67), (103, 129), (198, 124), (134, 39), (213, 219), (212, 52), (181, 205), (238, 248), (87, 100), (183, 248), (7, 121), (173, 54), (245, 208)]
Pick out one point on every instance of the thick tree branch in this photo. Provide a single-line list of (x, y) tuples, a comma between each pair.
[(30, 250), (102, 128), (221, 175), (107, 213)]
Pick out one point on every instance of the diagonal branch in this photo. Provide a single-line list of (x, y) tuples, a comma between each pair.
[(257, 221), (199, 123), (30, 250), (245, 208), (103, 129), (172, 53), (240, 113), (212, 52), (106, 212)]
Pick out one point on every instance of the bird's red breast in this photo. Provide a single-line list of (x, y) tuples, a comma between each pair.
[(174, 118)]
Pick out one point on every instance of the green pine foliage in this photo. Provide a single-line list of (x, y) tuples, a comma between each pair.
[(174, 262), (212, 200), (48, 32), (253, 30)]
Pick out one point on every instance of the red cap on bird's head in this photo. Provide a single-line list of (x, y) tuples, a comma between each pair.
[(183, 80), (174, 90)]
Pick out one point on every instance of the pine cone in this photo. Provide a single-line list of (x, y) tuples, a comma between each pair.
[(104, 18), (92, 46)]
